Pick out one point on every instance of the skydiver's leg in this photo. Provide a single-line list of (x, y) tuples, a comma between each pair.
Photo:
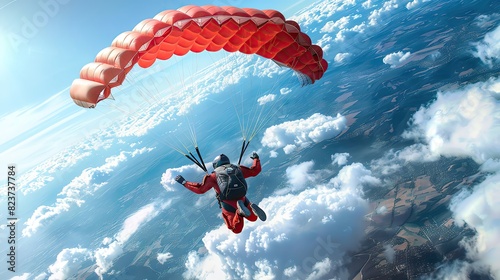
[(238, 223), (227, 219), (255, 210), (252, 217), (233, 221)]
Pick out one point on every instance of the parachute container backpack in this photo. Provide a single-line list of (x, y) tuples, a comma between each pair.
[(231, 182)]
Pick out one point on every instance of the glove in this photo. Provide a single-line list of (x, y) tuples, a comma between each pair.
[(254, 156), (180, 179)]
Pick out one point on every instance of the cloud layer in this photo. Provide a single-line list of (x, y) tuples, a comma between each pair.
[(315, 226), (293, 135), (73, 194), (463, 122), (69, 261)]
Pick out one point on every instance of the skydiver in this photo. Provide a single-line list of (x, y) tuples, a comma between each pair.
[(233, 210)]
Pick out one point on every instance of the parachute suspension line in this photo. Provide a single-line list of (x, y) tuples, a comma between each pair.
[(263, 121), (142, 94), (111, 104), (192, 133), (153, 95), (157, 90), (241, 119), (193, 158), (195, 161), (195, 142), (188, 154), (201, 159), (244, 147)]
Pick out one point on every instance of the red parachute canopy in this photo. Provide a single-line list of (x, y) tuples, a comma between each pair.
[(193, 28)]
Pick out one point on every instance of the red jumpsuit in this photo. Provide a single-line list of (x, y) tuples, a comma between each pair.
[(233, 221)]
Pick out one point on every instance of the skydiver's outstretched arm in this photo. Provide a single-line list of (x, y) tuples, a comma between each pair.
[(254, 170), (208, 182)]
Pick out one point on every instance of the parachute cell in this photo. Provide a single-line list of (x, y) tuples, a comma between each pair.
[(198, 28)]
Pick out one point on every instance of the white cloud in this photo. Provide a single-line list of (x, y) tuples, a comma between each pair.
[(460, 123), (354, 175), (340, 36), (68, 263), (396, 59), (377, 15), (456, 270), (367, 4), (340, 158), (273, 154), (318, 11), (485, 21), (29, 276), (163, 257), (189, 172), (389, 253), (41, 276), (299, 177), (207, 267), (285, 91), (321, 224), (324, 42), (320, 269), (290, 148), (105, 256), (488, 50), (266, 68), (141, 151), (24, 276), (480, 211), (342, 57), (332, 25), (301, 133), (266, 99), (415, 3), (381, 210), (463, 123)]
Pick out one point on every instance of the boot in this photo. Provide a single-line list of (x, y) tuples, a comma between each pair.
[(242, 209), (258, 211)]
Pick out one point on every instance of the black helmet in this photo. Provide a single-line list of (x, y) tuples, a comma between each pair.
[(220, 160)]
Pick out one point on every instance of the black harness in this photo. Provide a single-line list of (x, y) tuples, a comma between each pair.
[(227, 206)]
